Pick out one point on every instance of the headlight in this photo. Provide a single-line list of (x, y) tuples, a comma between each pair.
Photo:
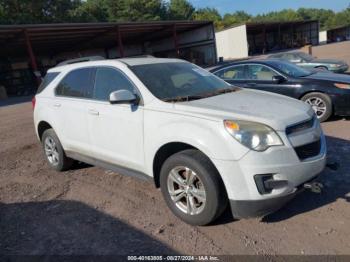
[(342, 86), (253, 135), (335, 65)]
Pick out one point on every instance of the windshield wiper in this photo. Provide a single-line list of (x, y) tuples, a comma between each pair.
[(222, 91), (182, 98), (194, 97)]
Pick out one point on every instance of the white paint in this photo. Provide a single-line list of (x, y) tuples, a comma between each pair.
[(323, 37), (232, 43)]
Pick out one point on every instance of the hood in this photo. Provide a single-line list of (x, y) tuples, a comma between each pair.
[(328, 61), (273, 110), (329, 76)]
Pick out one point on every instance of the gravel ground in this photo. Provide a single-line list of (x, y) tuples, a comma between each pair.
[(89, 210)]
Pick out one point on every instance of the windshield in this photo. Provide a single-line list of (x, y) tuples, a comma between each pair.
[(180, 81), (291, 69), (306, 57)]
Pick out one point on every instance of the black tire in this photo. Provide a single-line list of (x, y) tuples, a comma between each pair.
[(322, 68), (63, 163), (210, 180), (326, 100)]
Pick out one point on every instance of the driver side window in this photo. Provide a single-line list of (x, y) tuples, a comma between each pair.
[(108, 80), (260, 72)]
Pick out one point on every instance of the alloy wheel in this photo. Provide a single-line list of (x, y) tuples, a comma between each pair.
[(186, 190), (318, 105), (51, 150)]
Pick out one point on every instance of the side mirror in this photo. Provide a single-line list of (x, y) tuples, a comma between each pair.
[(123, 97), (278, 79)]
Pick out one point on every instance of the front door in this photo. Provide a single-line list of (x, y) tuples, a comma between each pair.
[(116, 130), (260, 77)]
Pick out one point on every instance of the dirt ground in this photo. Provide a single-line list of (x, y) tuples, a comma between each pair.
[(89, 210)]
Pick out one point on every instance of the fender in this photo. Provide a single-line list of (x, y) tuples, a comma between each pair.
[(208, 136)]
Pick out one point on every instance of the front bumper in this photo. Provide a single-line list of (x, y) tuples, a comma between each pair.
[(282, 163), (263, 207), (340, 69)]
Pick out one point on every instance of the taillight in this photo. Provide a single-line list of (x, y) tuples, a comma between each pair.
[(33, 102)]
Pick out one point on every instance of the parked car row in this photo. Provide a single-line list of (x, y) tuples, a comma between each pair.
[(307, 61), (205, 143), (327, 93)]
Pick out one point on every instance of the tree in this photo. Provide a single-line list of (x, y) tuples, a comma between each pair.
[(135, 10), (39, 11), (209, 14), (283, 15), (235, 18), (180, 10), (91, 11)]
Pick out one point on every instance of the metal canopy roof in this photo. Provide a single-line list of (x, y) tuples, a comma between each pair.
[(259, 26), (55, 38)]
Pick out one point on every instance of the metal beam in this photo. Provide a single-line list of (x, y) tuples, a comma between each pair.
[(120, 43), (32, 57), (176, 42)]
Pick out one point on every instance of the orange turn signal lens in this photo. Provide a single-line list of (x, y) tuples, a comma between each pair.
[(231, 125)]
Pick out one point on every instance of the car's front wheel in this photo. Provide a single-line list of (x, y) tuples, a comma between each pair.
[(192, 187), (54, 152), (320, 103)]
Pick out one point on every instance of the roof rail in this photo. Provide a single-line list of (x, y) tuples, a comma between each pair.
[(80, 59)]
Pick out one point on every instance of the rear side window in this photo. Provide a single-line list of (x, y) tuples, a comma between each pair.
[(46, 81), (78, 83), (232, 73), (109, 80)]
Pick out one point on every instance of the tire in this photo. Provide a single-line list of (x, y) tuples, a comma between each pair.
[(54, 152), (317, 101), (205, 179), (322, 68)]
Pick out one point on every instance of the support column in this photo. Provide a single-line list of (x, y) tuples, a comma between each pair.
[(120, 43), (32, 57), (176, 42), (264, 37), (279, 37)]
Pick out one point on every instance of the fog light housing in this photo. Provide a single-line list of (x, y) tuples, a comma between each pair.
[(265, 183)]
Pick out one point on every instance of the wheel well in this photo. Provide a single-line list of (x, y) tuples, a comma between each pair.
[(42, 127), (163, 154), (311, 91)]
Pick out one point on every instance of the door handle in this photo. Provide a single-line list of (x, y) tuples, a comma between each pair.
[(93, 112), (57, 105)]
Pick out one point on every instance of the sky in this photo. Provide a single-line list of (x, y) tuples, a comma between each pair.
[(255, 7)]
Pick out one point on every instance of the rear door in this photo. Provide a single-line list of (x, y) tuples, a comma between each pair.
[(70, 104), (116, 130)]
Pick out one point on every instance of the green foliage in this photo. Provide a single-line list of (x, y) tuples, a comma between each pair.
[(57, 11), (180, 10), (283, 15), (209, 14), (236, 18)]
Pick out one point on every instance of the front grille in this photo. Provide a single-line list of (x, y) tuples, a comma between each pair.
[(300, 126), (308, 150)]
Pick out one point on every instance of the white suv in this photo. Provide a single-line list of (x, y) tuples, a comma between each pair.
[(202, 141)]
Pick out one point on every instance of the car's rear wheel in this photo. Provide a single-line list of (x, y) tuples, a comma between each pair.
[(320, 103), (54, 152), (192, 187)]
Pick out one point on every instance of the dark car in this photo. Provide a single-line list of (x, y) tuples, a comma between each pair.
[(307, 61), (326, 92)]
